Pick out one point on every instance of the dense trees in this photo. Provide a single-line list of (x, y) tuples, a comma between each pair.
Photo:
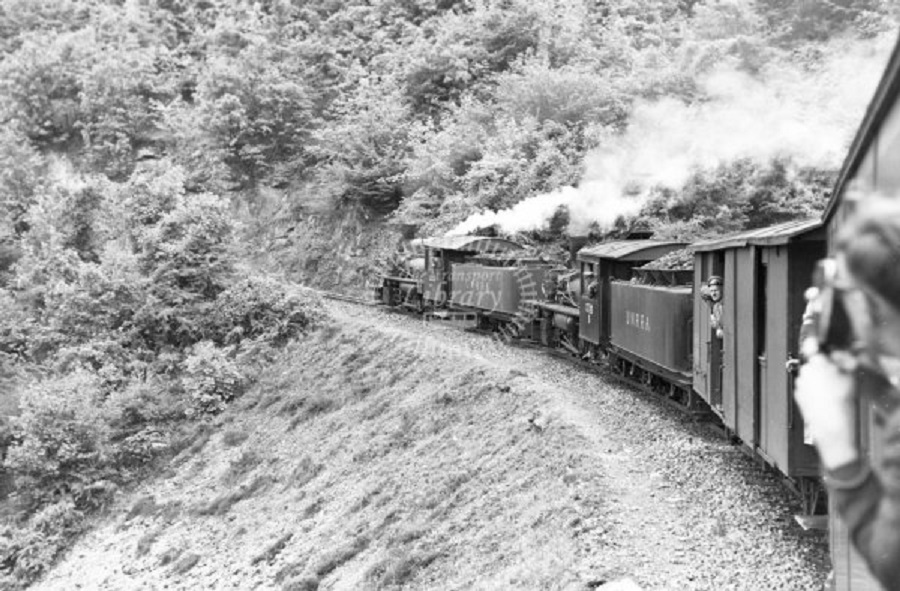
[(737, 196), (339, 98)]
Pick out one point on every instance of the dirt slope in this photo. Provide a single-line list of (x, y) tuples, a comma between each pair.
[(382, 454)]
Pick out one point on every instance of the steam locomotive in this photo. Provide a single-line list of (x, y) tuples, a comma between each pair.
[(656, 326)]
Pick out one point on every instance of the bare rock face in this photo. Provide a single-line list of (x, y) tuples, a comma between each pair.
[(342, 251)]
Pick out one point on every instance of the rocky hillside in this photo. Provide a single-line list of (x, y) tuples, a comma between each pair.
[(332, 251)]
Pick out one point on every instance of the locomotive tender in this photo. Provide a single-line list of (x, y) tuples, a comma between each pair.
[(656, 327)]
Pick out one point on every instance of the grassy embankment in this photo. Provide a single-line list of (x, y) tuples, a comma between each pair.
[(365, 457)]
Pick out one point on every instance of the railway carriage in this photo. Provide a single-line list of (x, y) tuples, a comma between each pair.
[(871, 166), (744, 375)]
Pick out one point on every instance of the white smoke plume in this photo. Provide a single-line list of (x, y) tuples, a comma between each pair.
[(807, 116)]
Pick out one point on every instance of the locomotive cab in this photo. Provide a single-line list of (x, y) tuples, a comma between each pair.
[(599, 266), (426, 281), (443, 254)]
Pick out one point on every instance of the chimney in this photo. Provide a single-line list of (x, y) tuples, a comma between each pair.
[(575, 244)]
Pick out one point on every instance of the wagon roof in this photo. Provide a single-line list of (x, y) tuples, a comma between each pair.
[(878, 109), (769, 236), (470, 243), (629, 250)]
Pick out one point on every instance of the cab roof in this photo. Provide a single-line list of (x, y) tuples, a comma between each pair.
[(483, 244), (629, 250), (768, 236)]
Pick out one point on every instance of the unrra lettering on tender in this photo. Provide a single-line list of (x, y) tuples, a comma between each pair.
[(639, 321)]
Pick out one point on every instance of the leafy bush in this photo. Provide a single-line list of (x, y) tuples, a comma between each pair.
[(188, 248), (257, 109), (522, 158), (97, 88), (119, 98), (573, 95), (363, 152), (793, 20), (14, 323), (21, 168), (62, 437), (29, 550), (18, 18), (262, 308), (89, 319), (188, 260), (40, 85), (737, 196), (143, 401), (210, 379), (468, 49)]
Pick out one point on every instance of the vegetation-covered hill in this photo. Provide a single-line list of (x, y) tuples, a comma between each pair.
[(424, 112), (153, 151)]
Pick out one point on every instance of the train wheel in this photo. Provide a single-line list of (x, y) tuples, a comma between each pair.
[(586, 352), (812, 496), (646, 378)]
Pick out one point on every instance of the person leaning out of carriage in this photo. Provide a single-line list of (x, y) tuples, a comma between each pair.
[(711, 293), (867, 496)]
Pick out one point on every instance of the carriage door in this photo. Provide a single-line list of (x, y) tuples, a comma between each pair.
[(716, 358), (589, 303), (434, 281), (760, 398)]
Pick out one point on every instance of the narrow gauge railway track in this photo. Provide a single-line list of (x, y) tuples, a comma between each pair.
[(699, 415), (695, 414), (330, 295)]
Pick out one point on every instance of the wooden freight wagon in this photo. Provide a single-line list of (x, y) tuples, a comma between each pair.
[(743, 375), (600, 265), (871, 166)]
